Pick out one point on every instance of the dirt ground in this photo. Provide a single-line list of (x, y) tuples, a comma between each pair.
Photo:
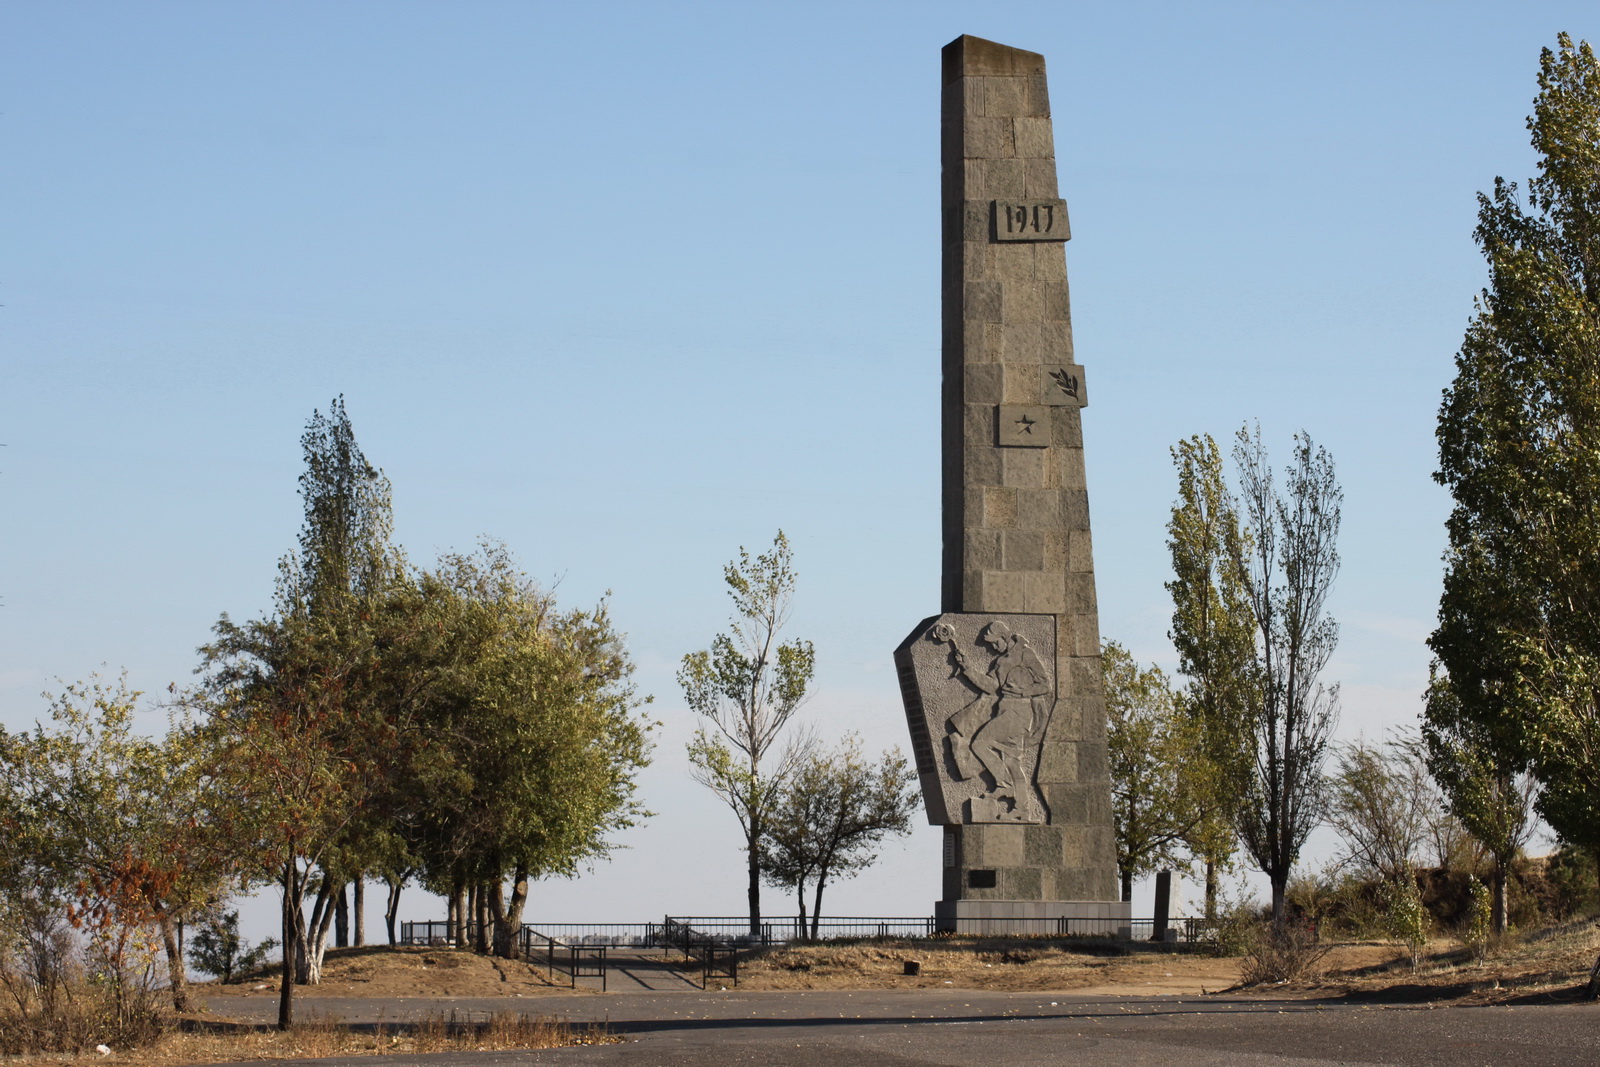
[(1542, 961), (1001, 965), (1011, 966), (1548, 964), (405, 971)]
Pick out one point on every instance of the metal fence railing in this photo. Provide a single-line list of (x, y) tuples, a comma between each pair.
[(432, 933), (574, 961), (735, 929), (688, 933), (615, 935), (718, 961)]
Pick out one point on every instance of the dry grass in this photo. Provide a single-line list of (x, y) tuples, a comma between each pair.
[(1293, 955), (404, 971), (211, 1041), (1003, 964), (1552, 962)]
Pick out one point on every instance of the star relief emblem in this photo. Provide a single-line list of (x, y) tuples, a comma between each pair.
[(1026, 425)]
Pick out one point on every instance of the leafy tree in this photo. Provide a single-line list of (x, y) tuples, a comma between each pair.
[(1382, 804), (748, 686), (1519, 433), (1153, 783), (831, 813), (122, 829), (17, 824), (1288, 571), (1213, 632), (304, 711), (346, 567), (537, 731), (278, 738), (216, 947), (1484, 781)]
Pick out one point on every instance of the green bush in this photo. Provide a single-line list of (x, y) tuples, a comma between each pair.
[(1478, 929), (217, 948), (1405, 919), (1571, 877)]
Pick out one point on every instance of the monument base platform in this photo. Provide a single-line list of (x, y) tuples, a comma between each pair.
[(1062, 918)]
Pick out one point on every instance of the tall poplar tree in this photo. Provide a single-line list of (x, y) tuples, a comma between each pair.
[(1213, 632), (1288, 573), (309, 735), (1519, 450)]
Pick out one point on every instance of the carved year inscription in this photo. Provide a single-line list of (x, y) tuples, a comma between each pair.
[(1031, 220)]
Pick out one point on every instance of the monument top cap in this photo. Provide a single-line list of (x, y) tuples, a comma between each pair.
[(967, 55)]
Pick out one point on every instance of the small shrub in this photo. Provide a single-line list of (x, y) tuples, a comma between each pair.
[(1276, 956), (1405, 919), (63, 998), (1238, 925), (1478, 929)]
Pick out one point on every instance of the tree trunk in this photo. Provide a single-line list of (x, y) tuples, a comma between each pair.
[(460, 933), (508, 920), (816, 906), (800, 898), (1211, 890), (341, 919), (754, 892), (1279, 913), (323, 919), (291, 925), (176, 976), (1127, 885), (301, 927), (392, 908), (358, 889), (1497, 893), (480, 916), (302, 959)]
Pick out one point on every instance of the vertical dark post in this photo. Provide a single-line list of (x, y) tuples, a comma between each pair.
[(1163, 904)]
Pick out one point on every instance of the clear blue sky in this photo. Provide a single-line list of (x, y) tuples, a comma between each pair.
[(628, 285)]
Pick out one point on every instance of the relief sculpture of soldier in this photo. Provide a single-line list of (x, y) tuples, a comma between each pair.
[(999, 731)]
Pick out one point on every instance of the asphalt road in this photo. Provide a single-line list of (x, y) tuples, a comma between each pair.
[(900, 1029)]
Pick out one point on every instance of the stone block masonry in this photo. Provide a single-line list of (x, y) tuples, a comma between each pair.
[(996, 698)]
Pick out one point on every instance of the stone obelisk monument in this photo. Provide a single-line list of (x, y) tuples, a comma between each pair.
[(1003, 690)]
